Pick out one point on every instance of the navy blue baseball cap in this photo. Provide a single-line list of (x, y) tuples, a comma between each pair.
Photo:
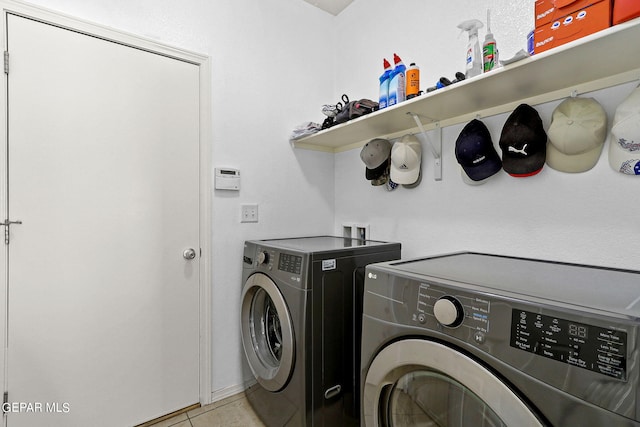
[(475, 152)]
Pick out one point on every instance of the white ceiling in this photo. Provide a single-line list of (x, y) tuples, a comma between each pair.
[(334, 7)]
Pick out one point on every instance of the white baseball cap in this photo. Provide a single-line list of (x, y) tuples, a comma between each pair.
[(406, 156), (576, 135), (624, 147)]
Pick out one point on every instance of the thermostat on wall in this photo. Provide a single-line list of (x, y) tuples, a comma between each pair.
[(227, 179)]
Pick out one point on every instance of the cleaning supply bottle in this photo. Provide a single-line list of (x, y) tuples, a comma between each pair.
[(397, 89), (489, 48), (474, 57), (413, 80), (384, 85)]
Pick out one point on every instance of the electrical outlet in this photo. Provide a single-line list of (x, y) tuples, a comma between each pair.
[(356, 231), (249, 213)]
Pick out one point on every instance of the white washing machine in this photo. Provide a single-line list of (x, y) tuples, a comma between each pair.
[(301, 319), (472, 339)]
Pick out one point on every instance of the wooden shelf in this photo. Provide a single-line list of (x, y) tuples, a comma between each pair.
[(604, 59)]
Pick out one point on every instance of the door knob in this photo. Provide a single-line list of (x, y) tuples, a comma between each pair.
[(189, 253)]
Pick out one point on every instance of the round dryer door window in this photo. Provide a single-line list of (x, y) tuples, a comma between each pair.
[(419, 382), (267, 333), (430, 398)]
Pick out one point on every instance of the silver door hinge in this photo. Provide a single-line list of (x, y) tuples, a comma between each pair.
[(6, 62), (6, 224)]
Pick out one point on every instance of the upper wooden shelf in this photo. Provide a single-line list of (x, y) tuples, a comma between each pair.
[(604, 59)]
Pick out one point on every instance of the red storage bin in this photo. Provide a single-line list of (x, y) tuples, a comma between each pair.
[(547, 11), (624, 10), (577, 24)]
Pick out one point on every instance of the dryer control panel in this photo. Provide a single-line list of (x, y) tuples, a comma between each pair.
[(602, 350), (477, 318), (453, 310)]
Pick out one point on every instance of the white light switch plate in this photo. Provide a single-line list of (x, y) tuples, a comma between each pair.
[(249, 213)]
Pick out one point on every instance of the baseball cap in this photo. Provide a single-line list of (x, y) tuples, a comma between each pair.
[(383, 178), (406, 156), (475, 152), (375, 155), (624, 147), (523, 142), (576, 135)]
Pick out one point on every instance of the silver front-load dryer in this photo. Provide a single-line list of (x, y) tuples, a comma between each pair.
[(480, 340), (301, 318)]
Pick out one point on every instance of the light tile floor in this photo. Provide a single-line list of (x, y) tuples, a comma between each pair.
[(234, 411)]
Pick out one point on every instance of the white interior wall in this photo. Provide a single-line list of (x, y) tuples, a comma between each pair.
[(581, 218), (265, 60), (584, 218), (424, 32), (273, 64)]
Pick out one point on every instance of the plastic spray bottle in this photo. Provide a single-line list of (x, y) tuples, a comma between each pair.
[(474, 56), (413, 81), (384, 85), (489, 48), (397, 89)]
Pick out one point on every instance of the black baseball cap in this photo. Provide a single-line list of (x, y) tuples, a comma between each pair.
[(475, 152), (523, 142)]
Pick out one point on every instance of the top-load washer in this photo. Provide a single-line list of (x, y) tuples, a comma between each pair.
[(472, 339), (301, 319)]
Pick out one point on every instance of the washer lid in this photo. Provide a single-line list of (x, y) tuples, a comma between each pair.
[(590, 287), (317, 244)]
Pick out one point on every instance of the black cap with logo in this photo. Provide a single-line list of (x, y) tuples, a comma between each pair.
[(523, 142)]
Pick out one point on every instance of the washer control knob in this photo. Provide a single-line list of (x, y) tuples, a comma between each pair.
[(448, 311), (263, 257)]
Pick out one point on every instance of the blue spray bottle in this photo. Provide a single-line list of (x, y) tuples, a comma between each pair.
[(397, 88), (384, 85)]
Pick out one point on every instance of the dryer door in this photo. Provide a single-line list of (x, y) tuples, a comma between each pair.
[(419, 382), (267, 333)]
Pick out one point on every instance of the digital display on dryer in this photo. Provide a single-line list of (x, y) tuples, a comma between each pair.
[(290, 263), (602, 350)]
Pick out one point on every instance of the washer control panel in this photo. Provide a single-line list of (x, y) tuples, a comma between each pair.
[(290, 263), (269, 258), (265, 257), (289, 267)]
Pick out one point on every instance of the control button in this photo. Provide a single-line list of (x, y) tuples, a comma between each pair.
[(479, 337), (448, 311), (422, 318), (263, 257)]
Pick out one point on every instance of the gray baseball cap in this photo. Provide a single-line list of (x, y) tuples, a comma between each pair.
[(375, 154)]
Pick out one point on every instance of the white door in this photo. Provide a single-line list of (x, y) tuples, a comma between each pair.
[(103, 155)]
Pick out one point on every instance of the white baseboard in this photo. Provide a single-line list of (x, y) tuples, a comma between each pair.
[(223, 393)]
